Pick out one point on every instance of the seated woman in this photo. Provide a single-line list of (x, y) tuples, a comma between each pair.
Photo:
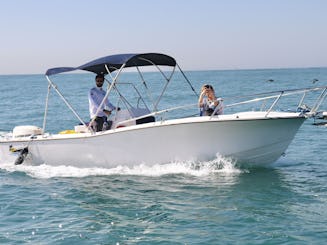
[(208, 102)]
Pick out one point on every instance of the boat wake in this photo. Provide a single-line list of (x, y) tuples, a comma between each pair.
[(44, 171)]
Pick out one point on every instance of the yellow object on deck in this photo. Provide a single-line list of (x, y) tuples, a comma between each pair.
[(68, 131)]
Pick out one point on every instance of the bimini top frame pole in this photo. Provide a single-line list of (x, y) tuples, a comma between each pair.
[(168, 79), (46, 108), (188, 81), (63, 98)]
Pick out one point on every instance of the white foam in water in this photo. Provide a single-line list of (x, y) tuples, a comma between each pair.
[(218, 165)]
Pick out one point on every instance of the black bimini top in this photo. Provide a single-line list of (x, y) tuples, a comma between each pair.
[(114, 62)]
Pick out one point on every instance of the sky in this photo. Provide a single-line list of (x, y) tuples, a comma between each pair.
[(201, 35)]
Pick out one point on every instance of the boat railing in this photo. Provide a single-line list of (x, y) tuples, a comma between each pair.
[(278, 95), (275, 96)]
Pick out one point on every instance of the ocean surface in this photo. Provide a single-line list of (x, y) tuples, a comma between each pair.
[(212, 202)]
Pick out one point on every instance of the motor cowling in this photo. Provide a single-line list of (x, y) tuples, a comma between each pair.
[(26, 131)]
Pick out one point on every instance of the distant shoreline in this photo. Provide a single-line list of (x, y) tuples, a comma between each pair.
[(206, 70)]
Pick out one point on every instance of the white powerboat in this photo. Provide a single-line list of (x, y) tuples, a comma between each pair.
[(143, 133)]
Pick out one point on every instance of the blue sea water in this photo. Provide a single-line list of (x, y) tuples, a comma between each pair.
[(211, 202)]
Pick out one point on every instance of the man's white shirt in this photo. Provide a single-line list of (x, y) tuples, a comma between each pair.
[(96, 96)]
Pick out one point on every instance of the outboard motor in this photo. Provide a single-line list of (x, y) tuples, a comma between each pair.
[(22, 154)]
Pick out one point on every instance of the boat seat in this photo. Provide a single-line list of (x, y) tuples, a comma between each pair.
[(138, 112), (146, 120), (133, 112)]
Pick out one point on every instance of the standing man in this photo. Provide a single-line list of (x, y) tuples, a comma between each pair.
[(96, 96)]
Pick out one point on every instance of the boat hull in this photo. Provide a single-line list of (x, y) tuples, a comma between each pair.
[(257, 142)]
